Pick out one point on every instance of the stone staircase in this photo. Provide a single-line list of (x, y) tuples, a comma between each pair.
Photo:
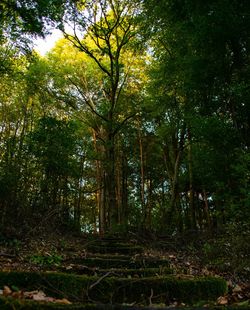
[(112, 274)]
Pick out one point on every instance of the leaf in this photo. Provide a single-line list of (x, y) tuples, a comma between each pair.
[(35, 295), (172, 256), (15, 288), (63, 301), (222, 300), (39, 296), (29, 295), (6, 291), (237, 289)]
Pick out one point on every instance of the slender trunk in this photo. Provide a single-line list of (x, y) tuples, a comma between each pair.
[(175, 209), (175, 206), (191, 189), (149, 206), (100, 193), (77, 212), (111, 183), (142, 185), (206, 209), (119, 185), (124, 191)]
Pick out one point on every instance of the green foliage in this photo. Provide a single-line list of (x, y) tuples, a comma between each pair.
[(54, 143), (110, 133), (229, 250), (30, 17), (13, 244), (52, 259)]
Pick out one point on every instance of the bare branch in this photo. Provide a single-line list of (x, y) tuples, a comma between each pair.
[(78, 44), (123, 122), (87, 101)]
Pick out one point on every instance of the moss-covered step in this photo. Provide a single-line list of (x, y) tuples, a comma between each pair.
[(118, 290), (112, 256), (116, 272), (140, 262), (113, 245), (121, 248)]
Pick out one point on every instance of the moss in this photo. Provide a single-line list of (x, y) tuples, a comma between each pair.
[(110, 256), (117, 272), (162, 290), (54, 284), (141, 272), (114, 245), (115, 248), (117, 290), (121, 263)]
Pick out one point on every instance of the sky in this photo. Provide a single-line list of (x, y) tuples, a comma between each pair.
[(44, 45)]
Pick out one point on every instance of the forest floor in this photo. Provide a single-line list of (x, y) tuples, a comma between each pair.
[(226, 255)]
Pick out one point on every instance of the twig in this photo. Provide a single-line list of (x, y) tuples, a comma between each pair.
[(7, 255), (100, 279), (150, 297)]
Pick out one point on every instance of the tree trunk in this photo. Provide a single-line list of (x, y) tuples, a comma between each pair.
[(206, 209), (100, 192), (191, 189), (124, 191), (111, 183), (142, 183)]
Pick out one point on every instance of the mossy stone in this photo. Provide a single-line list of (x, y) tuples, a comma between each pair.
[(117, 290), (121, 249), (121, 263), (117, 272)]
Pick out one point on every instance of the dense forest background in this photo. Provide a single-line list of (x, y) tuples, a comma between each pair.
[(137, 120)]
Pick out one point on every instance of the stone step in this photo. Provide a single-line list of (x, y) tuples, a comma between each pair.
[(120, 248), (143, 291), (113, 256), (112, 262), (115, 272)]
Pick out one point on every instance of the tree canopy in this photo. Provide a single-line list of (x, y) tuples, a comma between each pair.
[(138, 119)]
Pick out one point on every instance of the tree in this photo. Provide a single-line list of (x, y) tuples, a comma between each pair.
[(29, 17), (202, 53), (54, 144), (101, 85)]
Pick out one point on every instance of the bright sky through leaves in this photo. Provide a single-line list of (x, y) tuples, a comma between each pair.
[(44, 45)]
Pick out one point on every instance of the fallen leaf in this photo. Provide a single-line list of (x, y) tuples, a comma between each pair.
[(237, 289), (6, 291), (39, 296), (222, 300), (50, 299), (29, 294), (63, 301), (172, 256)]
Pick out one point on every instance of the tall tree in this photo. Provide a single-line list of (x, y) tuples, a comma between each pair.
[(105, 32), (202, 52)]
